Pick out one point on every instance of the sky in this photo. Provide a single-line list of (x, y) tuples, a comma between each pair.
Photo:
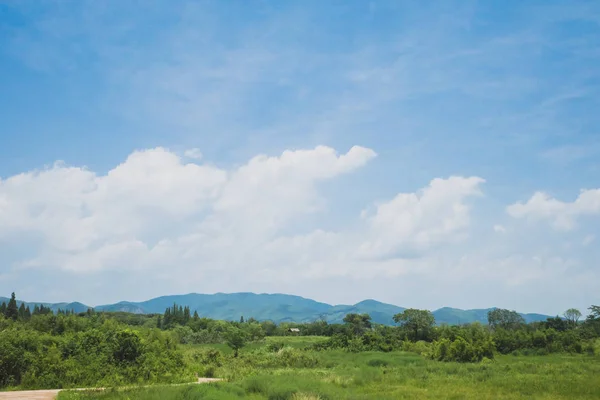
[(420, 153)]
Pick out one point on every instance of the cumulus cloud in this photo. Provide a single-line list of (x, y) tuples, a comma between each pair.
[(155, 209), (561, 215), (413, 222), (263, 226)]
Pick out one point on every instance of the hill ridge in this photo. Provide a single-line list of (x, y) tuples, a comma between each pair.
[(278, 307)]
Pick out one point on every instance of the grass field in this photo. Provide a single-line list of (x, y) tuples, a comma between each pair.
[(335, 374)]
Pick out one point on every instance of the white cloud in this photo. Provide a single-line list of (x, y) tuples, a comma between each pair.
[(412, 222), (562, 215), (155, 209), (195, 154), (196, 227)]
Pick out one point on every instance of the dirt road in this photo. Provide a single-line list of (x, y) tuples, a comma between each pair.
[(51, 394), (30, 395)]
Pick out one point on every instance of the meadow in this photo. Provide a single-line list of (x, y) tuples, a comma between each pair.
[(160, 356), (265, 371)]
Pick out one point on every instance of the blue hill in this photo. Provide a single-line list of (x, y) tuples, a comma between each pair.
[(278, 308)]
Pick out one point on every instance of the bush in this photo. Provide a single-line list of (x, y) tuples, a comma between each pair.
[(461, 350), (421, 347), (105, 353)]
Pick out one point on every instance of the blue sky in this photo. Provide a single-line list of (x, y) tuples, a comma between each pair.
[(150, 148)]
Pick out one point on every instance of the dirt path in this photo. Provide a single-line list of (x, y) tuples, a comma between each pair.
[(30, 395), (51, 394)]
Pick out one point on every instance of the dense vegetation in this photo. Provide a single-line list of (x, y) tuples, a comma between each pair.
[(337, 374), (40, 349)]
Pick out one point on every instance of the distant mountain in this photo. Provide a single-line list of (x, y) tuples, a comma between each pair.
[(278, 308)]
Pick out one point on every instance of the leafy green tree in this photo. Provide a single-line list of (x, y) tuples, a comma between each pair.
[(359, 323), (196, 317), (418, 323), (12, 311), (235, 339), (506, 319), (127, 346), (572, 315), (3, 309), (556, 323), (269, 328), (242, 319)]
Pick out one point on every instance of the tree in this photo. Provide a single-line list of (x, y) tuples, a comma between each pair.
[(196, 317), (501, 318), (3, 309), (127, 346), (556, 323), (22, 312), (594, 312), (12, 311), (159, 322), (418, 322), (235, 339), (359, 322), (572, 315), (242, 319)]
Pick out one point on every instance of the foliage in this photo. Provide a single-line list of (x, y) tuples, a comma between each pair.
[(505, 319), (359, 323), (236, 339), (418, 323), (41, 349), (375, 375), (56, 351), (572, 315)]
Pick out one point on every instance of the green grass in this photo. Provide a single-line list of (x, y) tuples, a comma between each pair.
[(336, 374)]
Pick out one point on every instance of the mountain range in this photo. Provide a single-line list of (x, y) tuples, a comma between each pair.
[(276, 307)]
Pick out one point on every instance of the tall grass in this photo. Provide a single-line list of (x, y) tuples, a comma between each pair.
[(298, 374)]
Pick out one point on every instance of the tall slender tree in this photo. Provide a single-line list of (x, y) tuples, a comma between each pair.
[(12, 311)]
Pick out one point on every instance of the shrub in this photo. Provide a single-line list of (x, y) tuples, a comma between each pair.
[(461, 350), (421, 347)]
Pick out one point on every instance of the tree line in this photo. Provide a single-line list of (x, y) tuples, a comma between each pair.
[(24, 313), (415, 331)]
